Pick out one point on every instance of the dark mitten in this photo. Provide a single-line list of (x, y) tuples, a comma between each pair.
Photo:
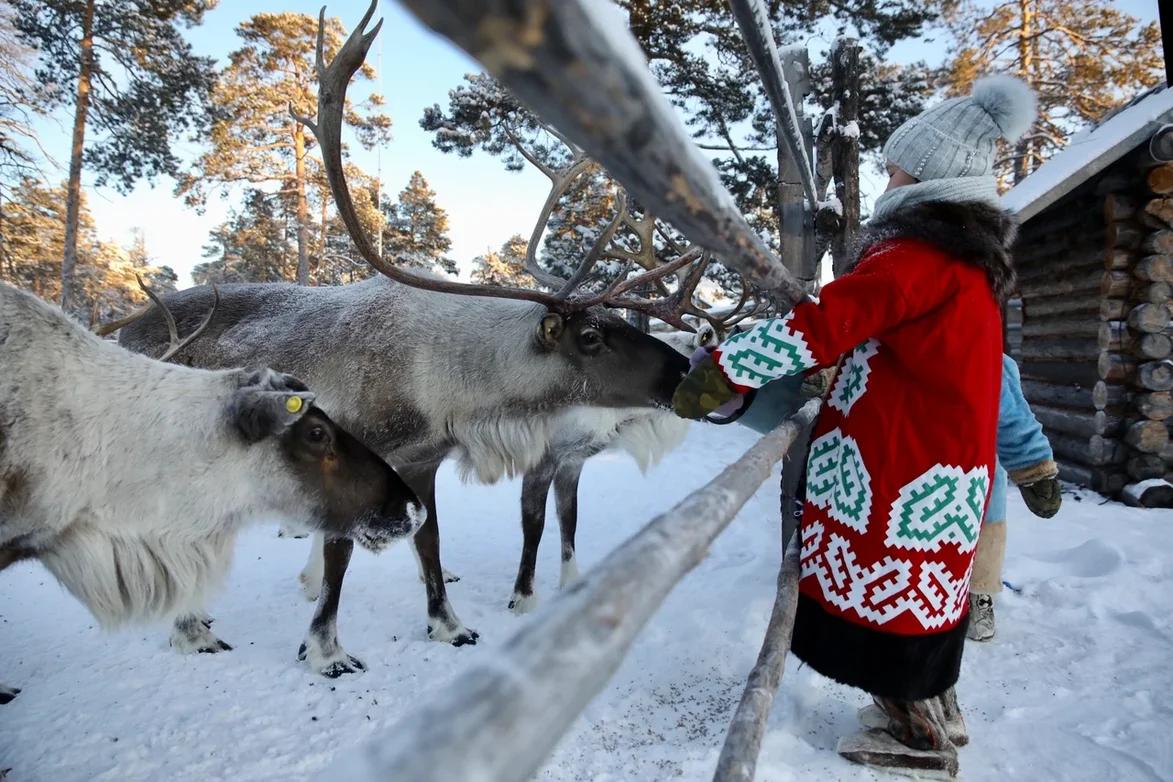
[(1042, 497), (703, 390)]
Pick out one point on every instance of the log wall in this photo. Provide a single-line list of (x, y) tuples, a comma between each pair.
[(1093, 340)]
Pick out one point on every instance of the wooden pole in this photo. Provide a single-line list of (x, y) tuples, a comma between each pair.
[(743, 742), (501, 718)]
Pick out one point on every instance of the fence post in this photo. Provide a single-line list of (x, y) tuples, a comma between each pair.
[(845, 148)]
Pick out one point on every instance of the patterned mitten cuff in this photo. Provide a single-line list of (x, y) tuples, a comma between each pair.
[(1025, 476)]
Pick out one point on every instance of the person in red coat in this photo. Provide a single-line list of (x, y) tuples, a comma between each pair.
[(901, 460)]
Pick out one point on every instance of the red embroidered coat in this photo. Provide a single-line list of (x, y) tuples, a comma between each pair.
[(900, 463)]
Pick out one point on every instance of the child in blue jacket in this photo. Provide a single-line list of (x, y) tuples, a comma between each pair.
[(1024, 456)]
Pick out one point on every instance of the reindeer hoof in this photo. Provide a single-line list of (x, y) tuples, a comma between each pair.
[(332, 666), (457, 635), (197, 639), (450, 577), (523, 604), (8, 693)]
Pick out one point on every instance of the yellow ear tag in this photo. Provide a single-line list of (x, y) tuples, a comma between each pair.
[(293, 404)]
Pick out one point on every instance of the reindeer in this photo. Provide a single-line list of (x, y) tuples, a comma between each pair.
[(93, 439), (420, 371)]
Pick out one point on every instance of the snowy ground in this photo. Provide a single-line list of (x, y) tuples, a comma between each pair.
[(1075, 687)]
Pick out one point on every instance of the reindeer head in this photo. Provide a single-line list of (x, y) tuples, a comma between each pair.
[(316, 470)]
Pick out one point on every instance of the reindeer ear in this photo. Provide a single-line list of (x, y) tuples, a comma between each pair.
[(267, 403), (551, 328)]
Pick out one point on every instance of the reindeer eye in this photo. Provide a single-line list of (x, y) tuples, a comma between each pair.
[(316, 434), (591, 338)]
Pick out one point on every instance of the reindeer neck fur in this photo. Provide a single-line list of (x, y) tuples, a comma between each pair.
[(86, 427), (645, 435)]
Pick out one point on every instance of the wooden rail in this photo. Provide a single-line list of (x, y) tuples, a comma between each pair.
[(500, 719)]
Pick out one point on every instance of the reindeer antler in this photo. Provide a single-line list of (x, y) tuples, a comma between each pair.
[(175, 343), (333, 81)]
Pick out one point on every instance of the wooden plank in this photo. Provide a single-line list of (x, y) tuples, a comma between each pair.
[(1148, 494), (1155, 268), (1052, 306), (1060, 327), (1156, 406), (502, 716), (1061, 372), (1155, 375), (1145, 465), (1160, 179), (1147, 436), (1107, 482), (1080, 424), (1161, 209), (1158, 243), (1058, 348), (1069, 396), (1094, 451), (1107, 396)]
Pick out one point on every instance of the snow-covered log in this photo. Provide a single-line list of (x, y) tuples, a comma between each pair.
[(543, 50), (500, 719), (743, 742)]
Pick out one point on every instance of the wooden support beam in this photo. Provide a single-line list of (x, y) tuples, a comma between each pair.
[(1161, 209), (1079, 373), (542, 51), (1059, 349), (1158, 243), (1152, 293), (1055, 306), (1038, 326), (1148, 494), (1149, 318), (1155, 375), (1114, 309), (743, 741), (1096, 451), (1154, 268), (1115, 336), (1126, 235), (1144, 466), (502, 716), (1160, 179)]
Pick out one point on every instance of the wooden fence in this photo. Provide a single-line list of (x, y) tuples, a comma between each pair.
[(501, 718)]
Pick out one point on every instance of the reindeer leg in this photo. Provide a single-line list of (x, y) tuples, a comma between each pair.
[(443, 624), (321, 648), (191, 633), (535, 488), (566, 498), (311, 575)]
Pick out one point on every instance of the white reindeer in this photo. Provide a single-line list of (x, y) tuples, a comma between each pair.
[(129, 478)]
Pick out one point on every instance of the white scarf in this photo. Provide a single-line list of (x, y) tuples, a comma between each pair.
[(983, 189)]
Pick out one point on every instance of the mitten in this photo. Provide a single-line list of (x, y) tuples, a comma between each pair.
[(703, 390), (1042, 497)]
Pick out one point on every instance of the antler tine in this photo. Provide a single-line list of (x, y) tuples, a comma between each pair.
[(172, 329), (190, 338), (333, 80), (596, 252)]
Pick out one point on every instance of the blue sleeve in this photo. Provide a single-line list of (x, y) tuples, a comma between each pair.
[(1021, 442)]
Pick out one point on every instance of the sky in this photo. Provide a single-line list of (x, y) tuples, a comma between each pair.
[(485, 204)]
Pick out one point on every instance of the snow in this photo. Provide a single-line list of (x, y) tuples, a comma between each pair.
[(850, 130), (1090, 152), (1074, 687)]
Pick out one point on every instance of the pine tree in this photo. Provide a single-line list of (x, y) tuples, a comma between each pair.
[(1083, 59), (251, 246), (416, 231), (254, 139), (128, 72), (504, 267), (18, 106), (106, 285)]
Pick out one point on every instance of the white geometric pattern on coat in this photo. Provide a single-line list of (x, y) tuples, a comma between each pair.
[(944, 505), (887, 588), (770, 350), (852, 382), (837, 480)]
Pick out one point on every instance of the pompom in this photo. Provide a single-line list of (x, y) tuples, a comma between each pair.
[(1008, 101)]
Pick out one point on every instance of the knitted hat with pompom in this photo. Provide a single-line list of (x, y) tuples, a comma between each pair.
[(957, 137)]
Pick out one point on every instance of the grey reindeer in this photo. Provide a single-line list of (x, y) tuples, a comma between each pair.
[(129, 478), (423, 368)]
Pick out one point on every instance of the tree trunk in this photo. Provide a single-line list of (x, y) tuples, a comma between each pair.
[(303, 207), (1022, 150), (77, 147), (845, 78)]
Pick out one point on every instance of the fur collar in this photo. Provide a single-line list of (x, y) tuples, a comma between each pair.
[(975, 233)]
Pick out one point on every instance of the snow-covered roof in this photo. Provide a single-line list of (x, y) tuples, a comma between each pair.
[(1089, 152)]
